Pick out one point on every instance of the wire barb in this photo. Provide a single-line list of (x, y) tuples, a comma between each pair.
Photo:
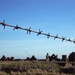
[(56, 37), (63, 38), (73, 41), (40, 32), (48, 35), (37, 32), (29, 30), (16, 27), (3, 23)]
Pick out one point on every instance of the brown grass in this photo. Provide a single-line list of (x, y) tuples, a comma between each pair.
[(29, 68)]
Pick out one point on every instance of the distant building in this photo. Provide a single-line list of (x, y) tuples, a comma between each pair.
[(47, 57), (27, 58), (8, 59), (52, 58), (3, 58), (64, 58), (33, 58), (12, 58), (72, 57)]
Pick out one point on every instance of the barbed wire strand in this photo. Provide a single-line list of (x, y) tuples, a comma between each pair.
[(37, 32)]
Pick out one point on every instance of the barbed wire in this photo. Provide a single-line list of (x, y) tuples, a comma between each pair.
[(29, 30)]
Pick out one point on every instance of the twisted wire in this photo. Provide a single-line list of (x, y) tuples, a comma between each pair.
[(29, 30)]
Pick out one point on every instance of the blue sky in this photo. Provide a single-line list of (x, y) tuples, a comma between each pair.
[(51, 16)]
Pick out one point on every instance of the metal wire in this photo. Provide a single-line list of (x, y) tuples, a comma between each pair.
[(29, 30)]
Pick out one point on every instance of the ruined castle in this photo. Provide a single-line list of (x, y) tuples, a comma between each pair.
[(53, 57)]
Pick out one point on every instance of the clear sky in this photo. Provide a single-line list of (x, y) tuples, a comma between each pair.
[(51, 16)]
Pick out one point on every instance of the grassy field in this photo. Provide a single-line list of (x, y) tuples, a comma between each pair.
[(30, 68)]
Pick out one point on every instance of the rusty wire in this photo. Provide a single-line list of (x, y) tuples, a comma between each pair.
[(37, 32)]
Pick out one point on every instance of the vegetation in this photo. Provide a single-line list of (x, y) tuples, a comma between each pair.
[(29, 68)]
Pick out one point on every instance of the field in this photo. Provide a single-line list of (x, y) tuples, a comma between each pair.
[(30, 68)]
